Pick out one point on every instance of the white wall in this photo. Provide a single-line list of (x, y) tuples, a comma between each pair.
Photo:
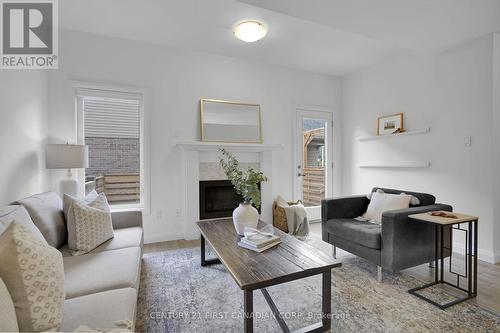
[(23, 131), (451, 93), (175, 81)]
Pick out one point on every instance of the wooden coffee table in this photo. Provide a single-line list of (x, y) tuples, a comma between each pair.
[(288, 261)]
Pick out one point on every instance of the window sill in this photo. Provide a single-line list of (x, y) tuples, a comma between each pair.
[(126, 208)]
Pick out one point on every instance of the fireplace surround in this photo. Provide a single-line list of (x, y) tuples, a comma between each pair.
[(196, 154)]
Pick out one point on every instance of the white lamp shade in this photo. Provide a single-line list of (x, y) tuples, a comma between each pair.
[(66, 156)]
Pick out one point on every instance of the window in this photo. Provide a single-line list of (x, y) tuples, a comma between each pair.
[(110, 124)]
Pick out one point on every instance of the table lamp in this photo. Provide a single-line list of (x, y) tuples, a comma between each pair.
[(66, 156)]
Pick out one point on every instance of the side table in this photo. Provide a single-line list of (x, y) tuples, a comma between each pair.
[(439, 223)]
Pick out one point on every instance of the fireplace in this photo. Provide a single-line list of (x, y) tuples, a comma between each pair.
[(218, 198)]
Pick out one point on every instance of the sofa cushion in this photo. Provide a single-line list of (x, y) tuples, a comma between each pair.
[(46, 211), (364, 233), (99, 271), (33, 273), (424, 198), (126, 237), (8, 319), (101, 310), (21, 216)]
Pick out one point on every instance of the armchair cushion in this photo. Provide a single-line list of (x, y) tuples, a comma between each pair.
[(364, 233)]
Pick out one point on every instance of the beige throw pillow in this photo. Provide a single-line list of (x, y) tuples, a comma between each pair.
[(382, 202), (414, 200), (34, 275), (8, 320), (89, 224), (68, 200)]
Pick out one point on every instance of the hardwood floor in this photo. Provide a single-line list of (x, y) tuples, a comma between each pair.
[(488, 283)]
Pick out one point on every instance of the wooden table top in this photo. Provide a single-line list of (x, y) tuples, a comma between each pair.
[(425, 217), (290, 260)]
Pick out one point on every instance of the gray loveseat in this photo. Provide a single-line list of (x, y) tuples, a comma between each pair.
[(398, 243), (101, 286)]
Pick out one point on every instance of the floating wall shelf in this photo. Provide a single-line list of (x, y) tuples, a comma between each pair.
[(407, 133), (397, 166)]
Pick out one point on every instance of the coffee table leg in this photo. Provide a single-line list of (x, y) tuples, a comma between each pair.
[(205, 262), (436, 253), (248, 310), (327, 300), (475, 258)]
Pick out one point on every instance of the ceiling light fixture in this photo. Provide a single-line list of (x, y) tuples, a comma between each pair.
[(250, 31)]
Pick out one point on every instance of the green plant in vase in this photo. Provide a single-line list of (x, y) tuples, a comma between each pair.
[(246, 183)]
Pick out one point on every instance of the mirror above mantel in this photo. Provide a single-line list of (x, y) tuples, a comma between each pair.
[(230, 122)]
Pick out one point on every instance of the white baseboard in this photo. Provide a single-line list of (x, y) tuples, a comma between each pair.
[(162, 237), (482, 254)]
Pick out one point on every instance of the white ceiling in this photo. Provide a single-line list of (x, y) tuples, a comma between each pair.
[(420, 25), (326, 36)]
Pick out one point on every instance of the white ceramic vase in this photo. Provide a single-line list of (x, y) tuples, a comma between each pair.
[(245, 215)]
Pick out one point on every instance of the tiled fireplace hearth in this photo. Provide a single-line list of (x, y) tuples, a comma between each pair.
[(200, 161)]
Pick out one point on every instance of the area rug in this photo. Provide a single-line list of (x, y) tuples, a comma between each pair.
[(178, 295)]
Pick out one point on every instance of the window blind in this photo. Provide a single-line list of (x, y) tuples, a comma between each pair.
[(111, 117)]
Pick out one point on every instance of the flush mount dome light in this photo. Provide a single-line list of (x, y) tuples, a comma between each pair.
[(250, 31)]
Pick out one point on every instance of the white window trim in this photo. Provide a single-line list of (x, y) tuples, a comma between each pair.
[(99, 90)]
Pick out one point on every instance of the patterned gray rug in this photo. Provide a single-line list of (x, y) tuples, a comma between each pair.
[(178, 295)]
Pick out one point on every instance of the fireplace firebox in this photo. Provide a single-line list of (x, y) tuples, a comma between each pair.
[(218, 198)]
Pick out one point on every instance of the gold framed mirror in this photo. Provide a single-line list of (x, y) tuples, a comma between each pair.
[(230, 122)]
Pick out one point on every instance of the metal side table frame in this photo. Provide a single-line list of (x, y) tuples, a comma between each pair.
[(470, 256)]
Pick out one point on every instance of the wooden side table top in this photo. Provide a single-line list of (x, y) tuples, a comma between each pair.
[(290, 260), (461, 218)]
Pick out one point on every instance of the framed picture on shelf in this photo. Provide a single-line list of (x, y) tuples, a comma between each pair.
[(392, 124)]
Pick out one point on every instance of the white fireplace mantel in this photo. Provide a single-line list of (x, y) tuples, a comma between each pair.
[(195, 152)]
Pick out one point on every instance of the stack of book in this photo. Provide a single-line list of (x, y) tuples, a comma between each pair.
[(259, 242)]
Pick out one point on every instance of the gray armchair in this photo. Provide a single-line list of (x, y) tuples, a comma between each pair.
[(398, 243)]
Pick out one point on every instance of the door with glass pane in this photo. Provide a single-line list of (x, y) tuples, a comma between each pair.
[(314, 159)]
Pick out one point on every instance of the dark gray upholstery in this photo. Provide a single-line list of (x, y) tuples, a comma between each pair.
[(397, 244), (364, 233), (408, 243), (364, 252), (344, 207)]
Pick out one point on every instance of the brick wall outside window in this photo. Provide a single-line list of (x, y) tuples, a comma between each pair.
[(109, 156)]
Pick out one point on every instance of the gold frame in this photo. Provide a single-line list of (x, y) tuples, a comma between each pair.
[(202, 132), (388, 116)]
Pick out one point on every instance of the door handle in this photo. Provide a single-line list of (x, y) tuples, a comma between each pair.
[(300, 175)]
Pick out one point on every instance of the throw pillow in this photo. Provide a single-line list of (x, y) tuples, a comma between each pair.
[(68, 200), (414, 200), (89, 225), (34, 275), (382, 202), (8, 320)]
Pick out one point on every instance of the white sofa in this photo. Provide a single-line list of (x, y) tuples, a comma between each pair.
[(101, 286)]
